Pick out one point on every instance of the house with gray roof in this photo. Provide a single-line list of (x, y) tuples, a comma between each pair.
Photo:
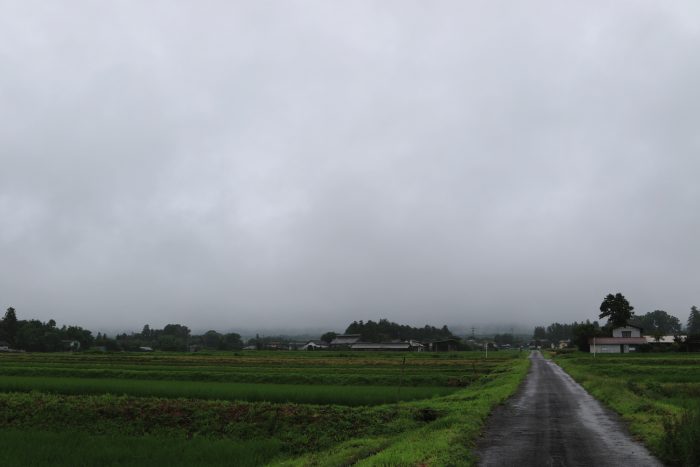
[(344, 341)]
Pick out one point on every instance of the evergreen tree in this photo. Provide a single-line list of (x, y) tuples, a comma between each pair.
[(582, 332), (617, 309), (9, 326), (539, 333), (694, 321)]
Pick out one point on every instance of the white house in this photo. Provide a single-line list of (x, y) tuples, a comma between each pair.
[(625, 339), (627, 331)]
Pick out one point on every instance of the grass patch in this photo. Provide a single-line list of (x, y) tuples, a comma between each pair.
[(658, 395)]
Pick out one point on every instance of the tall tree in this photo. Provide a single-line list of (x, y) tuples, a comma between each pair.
[(539, 333), (557, 331), (581, 333), (617, 309), (328, 337), (232, 341), (213, 340), (694, 321), (9, 325), (659, 323)]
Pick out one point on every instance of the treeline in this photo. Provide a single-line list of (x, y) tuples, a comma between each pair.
[(577, 333), (34, 336), (385, 330), (506, 339), (174, 338)]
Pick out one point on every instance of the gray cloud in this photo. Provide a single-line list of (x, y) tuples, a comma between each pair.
[(272, 164)]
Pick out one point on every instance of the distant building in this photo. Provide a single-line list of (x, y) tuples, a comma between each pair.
[(627, 331), (625, 339), (416, 346), (275, 345), (315, 345), (71, 345), (297, 345), (344, 341), (444, 345), (405, 346), (665, 340)]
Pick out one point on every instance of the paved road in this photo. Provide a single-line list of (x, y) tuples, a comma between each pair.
[(553, 421)]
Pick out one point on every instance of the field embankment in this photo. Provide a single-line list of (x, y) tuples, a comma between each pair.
[(293, 408), (657, 394)]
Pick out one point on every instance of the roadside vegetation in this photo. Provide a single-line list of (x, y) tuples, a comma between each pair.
[(657, 394), (288, 408)]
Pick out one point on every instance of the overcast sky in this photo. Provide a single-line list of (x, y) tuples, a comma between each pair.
[(271, 164)]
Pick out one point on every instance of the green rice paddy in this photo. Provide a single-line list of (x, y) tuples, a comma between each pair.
[(286, 408)]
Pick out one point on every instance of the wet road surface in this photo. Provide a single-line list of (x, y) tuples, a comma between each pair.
[(553, 421)]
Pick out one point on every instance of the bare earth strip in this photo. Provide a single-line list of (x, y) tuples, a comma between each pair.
[(553, 421)]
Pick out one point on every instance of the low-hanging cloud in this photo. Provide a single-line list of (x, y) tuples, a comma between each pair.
[(304, 164)]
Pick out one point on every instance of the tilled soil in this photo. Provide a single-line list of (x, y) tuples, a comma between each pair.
[(553, 421)]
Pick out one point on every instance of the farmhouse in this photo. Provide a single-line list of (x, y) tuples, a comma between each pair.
[(400, 346), (344, 341), (625, 339), (315, 345), (446, 345)]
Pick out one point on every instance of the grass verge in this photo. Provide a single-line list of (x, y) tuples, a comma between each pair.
[(449, 440), (657, 395)]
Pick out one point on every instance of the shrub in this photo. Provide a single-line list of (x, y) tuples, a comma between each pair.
[(681, 440)]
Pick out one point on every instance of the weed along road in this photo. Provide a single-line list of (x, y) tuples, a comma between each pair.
[(553, 421)]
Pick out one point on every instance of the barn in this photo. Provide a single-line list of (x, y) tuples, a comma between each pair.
[(344, 341)]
